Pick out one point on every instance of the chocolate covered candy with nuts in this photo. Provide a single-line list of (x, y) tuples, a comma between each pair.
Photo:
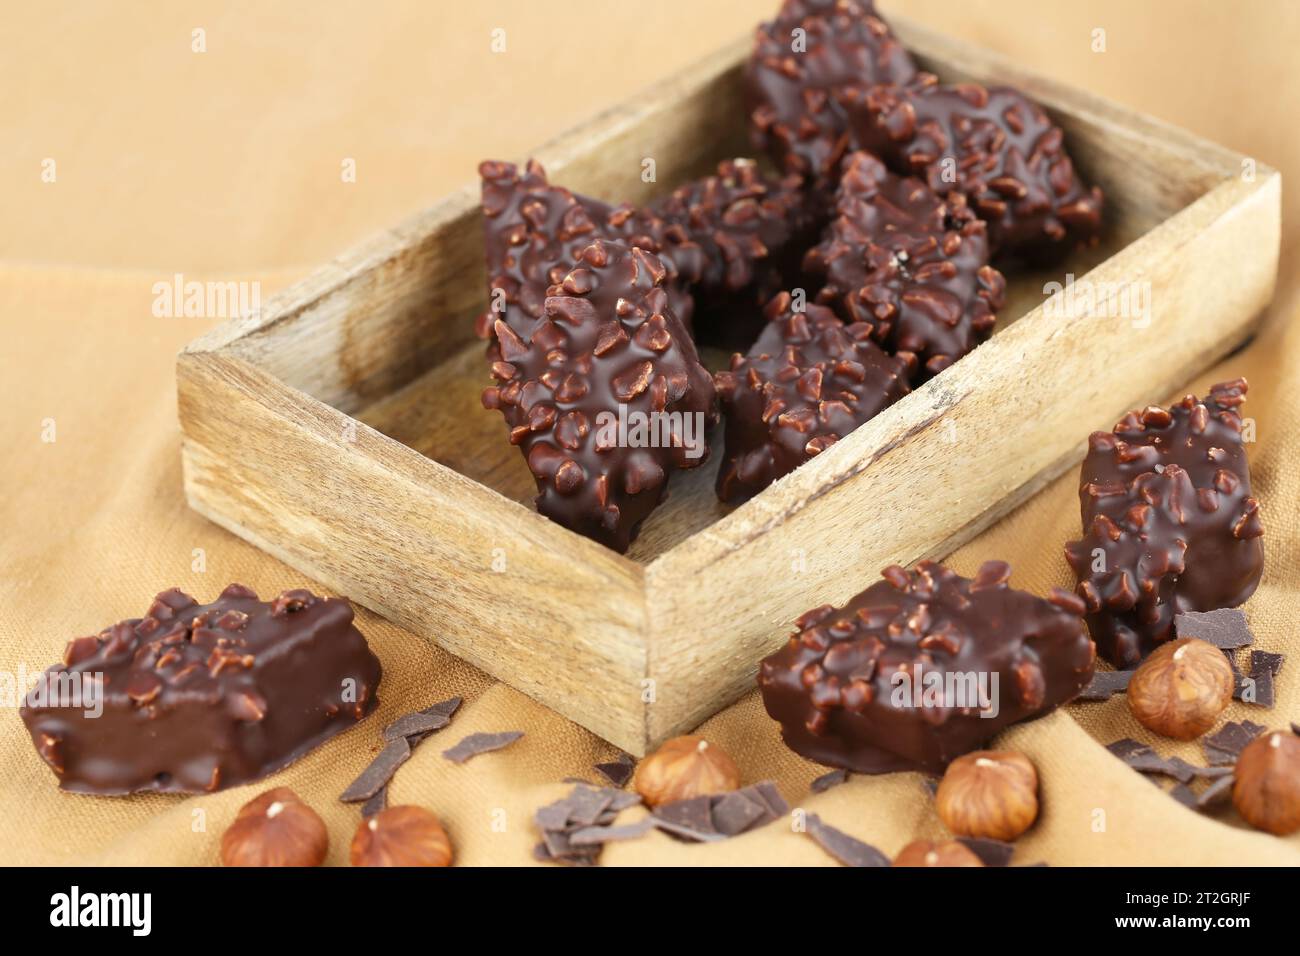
[(912, 265), (752, 231), (995, 146), (1169, 522), (897, 678), (807, 382), (608, 397), (196, 698), (800, 59)]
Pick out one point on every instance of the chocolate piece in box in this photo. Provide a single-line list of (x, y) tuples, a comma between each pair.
[(608, 397)]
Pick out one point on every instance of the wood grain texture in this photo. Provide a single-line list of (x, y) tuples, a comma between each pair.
[(341, 430)]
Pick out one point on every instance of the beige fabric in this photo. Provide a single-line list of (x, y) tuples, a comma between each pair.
[(226, 164)]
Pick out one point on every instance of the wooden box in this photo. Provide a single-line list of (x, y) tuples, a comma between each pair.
[(340, 429)]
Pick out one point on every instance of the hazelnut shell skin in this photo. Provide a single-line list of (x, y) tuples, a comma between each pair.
[(275, 829), (1180, 690), (991, 794), (1266, 791), (925, 853), (401, 836), (685, 767)]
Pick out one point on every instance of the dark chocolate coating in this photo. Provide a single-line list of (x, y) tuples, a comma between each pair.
[(1169, 522), (794, 114), (912, 265), (995, 146), (608, 337), (807, 382), (197, 698), (752, 231), (830, 686), (533, 232)]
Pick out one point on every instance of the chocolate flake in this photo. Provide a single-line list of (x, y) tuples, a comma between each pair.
[(376, 803), (847, 849), (1184, 795), (1144, 759), (608, 834), (990, 852), (1255, 689), (617, 772), (717, 817), (735, 813), (476, 744), (1225, 627), (418, 724), (576, 826), (1215, 794), (447, 708), (828, 780), (1105, 684), (1231, 738), (380, 771)]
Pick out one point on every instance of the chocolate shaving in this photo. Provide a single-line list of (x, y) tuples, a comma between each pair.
[(418, 724), (1231, 738), (1256, 689), (1144, 759), (375, 804), (1225, 627), (608, 834), (1215, 794), (380, 771), (828, 780), (1184, 795), (617, 772), (1261, 661), (1106, 684), (990, 852), (576, 826), (476, 744), (446, 708), (717, 817), (847, 849)]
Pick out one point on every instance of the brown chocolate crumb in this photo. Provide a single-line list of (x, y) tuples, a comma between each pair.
[(617, 772), (575, 827), (476, 744), (1225, 627), (847, 849), (710, 818), (379, 772), (376, 803), (1230, 739), (418, 724), (1106, 684), (1215, 794), (1184, 795), (990, 852), (828, 780)]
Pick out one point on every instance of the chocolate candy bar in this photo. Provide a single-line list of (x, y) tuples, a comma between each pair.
[(910, 264), (800, 59), (807, 382), (196, 698), (995, 146), (752, 231), (923, 667), (608, 397), (1169, 522)]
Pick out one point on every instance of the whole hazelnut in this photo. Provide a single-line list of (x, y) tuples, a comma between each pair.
[(989, 793), (401, 836), (275, 829), (1182, 688), (925, 853), (1266, 791), (685, 767)]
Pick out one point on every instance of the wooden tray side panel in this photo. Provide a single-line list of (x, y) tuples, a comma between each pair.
[(554, 615), (956, 454)]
